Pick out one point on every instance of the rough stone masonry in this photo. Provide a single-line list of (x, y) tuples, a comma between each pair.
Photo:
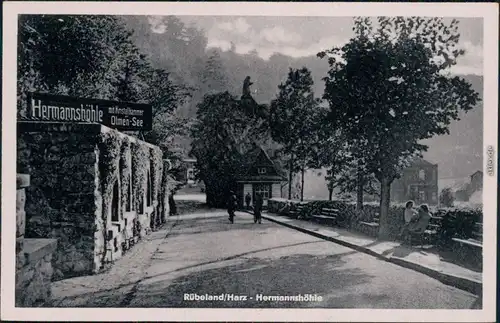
[(67, 197)]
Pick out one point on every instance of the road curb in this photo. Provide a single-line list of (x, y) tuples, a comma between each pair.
[(466, 284)]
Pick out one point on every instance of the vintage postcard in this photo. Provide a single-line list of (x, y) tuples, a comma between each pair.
[(249, 161)]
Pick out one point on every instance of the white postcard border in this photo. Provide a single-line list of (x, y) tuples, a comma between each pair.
[(489, 12)]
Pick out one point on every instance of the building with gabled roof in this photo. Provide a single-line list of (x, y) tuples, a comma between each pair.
[(261, 175), (463, 189)]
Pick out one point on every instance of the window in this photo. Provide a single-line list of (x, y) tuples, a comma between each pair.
[(434, 196), (132, 194), (413, 191), (115, 208), (128, 204), (148, 190), (190, 174), (264, 189), (262, 170), (421, 196), (141, 204), (421, 174)]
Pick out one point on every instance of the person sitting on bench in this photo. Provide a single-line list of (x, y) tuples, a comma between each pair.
[(419, 223), (409, 215)]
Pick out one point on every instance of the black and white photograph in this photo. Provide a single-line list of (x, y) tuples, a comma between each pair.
[(249, 161)]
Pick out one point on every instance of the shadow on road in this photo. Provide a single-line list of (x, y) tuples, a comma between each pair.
[(342, 277), (305, 274), (192, 206)]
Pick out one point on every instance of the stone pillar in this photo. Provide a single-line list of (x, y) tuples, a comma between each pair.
[(23, 181), (167, 165)]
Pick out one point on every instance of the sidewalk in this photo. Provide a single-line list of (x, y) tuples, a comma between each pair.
[(115, 285), (419, 259)]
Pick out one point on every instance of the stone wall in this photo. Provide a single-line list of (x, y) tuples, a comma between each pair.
[(33, 257), (60, 201), (34, 272), (135, 169), (90, 190)]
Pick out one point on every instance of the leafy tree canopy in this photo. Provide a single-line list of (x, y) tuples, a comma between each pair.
[(388, 91), (94, 56), (223, 134), (295, 118)]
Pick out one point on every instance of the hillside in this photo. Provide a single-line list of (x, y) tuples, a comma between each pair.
[(183, 52)]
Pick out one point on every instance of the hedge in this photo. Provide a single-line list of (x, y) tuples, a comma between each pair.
[(456, 222)]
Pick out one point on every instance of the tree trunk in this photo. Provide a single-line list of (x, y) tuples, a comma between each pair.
[(359, 192), (385, 198), (290, 177), (302, 185), (330, 193)]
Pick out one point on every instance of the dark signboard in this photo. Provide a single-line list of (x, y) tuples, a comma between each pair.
[(113, 114)]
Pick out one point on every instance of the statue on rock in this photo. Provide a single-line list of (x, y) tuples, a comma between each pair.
[(248, 103), (246, 87)]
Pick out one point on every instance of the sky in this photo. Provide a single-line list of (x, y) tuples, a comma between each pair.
[(305, 36)]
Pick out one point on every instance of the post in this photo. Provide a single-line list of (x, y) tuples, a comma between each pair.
[(290, 177), (22, 181), (302, 185), (359, 190), (385, 199)]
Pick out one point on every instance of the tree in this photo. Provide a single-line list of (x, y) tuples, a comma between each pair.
[(388, 90), (72, 55), (329, 150), (132, 71), (213, 76), (294, 122), (446, 197), (355, 178), (165, 97), (222, 135)]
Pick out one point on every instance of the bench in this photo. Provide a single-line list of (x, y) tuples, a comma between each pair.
[(429, 235), (296, 209), (471, 249), (369, 228), (326, 215), (476, 241), (478, 231), (470, 242)]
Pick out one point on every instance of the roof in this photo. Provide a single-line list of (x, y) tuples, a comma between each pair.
[(477, 171), (455, 184), (252, 156), (261, 178), (421, 162)]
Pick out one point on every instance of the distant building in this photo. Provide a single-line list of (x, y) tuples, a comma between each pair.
[(476, 182), (262, 176), (418, 183), (466, 189), (190, 168)]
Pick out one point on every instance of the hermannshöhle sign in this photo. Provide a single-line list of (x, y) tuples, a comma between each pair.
[(113, 114)]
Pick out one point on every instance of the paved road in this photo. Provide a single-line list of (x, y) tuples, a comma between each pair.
[(205, 255)]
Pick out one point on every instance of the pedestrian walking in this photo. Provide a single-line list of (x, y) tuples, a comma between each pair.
[(171, 204), (257, 215), (231, 206), (248, 199)]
